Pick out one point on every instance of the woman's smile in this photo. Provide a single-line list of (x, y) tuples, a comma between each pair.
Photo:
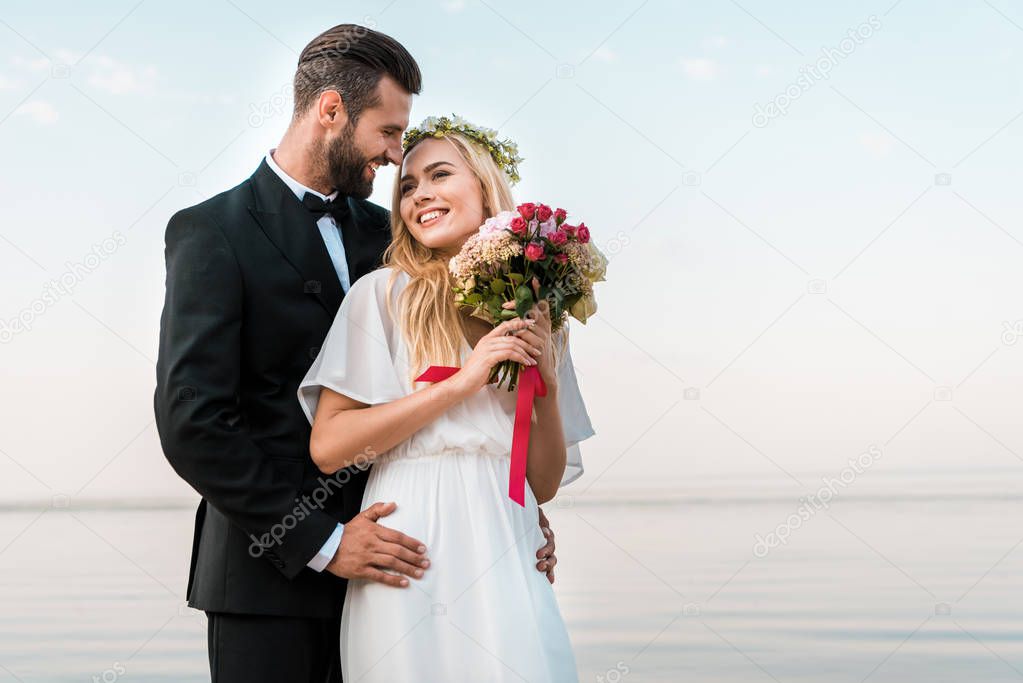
[(432, 217)]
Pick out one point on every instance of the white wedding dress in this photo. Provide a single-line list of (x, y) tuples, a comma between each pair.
[(482, 612)]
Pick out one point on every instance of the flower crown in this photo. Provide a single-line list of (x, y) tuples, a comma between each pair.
[(505, 153)]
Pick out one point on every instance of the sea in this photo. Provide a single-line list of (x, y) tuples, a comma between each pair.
[(914, 578)]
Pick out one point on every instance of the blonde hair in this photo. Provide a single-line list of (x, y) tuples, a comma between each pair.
[(429, 320)]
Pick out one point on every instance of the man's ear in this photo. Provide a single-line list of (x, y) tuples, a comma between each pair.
[(330, 110)]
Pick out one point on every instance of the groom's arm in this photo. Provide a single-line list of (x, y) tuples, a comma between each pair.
[(204, 433), (545, 555)]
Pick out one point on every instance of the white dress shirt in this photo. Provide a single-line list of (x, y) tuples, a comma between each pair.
[(329, 230), (331, 233)]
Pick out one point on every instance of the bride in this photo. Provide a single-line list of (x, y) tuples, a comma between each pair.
[(441, 451)]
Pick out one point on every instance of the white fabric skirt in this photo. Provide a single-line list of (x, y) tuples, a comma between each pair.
[(482, 612)]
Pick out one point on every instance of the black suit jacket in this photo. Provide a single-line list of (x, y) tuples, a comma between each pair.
[(251, 294)]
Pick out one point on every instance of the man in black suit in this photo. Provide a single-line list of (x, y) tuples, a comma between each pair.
[(255, 276)]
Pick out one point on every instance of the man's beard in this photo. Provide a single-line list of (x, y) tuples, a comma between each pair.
[(345, 166)]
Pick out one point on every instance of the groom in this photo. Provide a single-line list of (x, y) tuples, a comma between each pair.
[(255, 276)]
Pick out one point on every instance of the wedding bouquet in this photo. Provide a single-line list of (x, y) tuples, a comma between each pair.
[(518, 258)]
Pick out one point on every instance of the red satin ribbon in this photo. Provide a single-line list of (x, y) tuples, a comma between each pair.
[(531, 384)]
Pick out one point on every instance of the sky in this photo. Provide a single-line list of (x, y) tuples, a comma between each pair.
[(811, 212)]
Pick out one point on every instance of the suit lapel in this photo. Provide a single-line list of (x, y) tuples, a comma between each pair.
[(293, 230)]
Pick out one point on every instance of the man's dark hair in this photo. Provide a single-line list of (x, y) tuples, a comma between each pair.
[(352, 59)]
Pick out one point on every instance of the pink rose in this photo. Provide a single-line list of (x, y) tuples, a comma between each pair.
[(527, 211), (491, 226), (559, 237), (518, 225), (583, 233), (560, 215), (534, 251), (543, 213), (561, 258)]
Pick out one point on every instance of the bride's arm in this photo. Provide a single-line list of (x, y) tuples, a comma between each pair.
[(545, 465), (345, 429), (547, 456)]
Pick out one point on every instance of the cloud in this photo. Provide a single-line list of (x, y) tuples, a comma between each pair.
[(700, 69), (100, 71), (119, 78), (39, 111), (877, 144), (605, 54), (65, 56), (38, 64)]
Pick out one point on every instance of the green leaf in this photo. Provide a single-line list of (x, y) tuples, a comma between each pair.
[(497, 286), (523, 294), (494, 306)]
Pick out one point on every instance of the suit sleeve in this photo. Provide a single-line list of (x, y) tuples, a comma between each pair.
[(203, 428)]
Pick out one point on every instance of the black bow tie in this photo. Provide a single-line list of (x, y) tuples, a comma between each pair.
[(336, 207)]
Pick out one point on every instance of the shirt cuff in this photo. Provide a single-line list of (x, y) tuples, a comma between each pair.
[(326, 554)]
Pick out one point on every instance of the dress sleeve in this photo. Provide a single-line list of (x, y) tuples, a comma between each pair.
[(575, 420), (360, 356)]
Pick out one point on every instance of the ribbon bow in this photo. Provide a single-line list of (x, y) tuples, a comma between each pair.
[(318, 206), (531, 384)]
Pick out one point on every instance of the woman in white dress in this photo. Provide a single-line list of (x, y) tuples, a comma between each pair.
[(481, 612)]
